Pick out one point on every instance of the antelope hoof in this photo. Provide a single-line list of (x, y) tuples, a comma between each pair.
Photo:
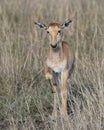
[(53, 90), (54, 115)]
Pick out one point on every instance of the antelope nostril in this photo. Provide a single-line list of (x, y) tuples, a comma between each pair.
[(53, 46)]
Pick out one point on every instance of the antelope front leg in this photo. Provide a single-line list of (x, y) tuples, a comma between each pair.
[(64, 76), (49, 77), (48, 74)]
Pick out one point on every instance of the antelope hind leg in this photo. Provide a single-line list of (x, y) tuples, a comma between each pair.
[(64, 77)]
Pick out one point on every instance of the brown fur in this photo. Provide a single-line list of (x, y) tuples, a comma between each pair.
[(54, 24), (60, 59)]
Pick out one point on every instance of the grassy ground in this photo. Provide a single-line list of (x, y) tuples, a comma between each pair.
[(25, 97)]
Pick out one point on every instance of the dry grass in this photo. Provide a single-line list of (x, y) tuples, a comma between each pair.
[(25, 97)]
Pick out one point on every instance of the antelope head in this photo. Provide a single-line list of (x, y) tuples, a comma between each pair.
[(54, 31)]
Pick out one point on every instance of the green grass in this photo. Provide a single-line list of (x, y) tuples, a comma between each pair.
[(25, 97)]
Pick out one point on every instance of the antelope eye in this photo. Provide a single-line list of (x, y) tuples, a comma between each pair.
[(59, 31)]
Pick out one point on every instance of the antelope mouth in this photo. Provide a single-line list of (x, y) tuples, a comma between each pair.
[(54, 46)]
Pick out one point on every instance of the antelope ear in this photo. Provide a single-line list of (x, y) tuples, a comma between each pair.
[(42, 26), (66, 24)]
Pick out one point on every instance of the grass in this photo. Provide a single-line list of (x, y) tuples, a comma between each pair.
[(25, 97)]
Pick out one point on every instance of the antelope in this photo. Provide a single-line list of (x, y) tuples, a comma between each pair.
[(60, 60)]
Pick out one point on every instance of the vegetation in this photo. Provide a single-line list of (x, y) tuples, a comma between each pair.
[(25, 97)]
